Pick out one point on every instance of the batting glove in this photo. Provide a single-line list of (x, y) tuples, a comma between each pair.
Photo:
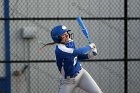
[(91, 54), (92, 45), (94, 51)]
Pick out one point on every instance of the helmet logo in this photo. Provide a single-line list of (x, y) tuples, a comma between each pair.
[(64, 27)]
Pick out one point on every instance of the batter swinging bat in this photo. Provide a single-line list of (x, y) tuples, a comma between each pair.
[(84, 30)]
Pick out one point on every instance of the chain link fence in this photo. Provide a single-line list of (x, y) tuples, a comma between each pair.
[(2, 70), (104, 33), (1, 40), (35, 71), (1, 31), (133, 39), (133, 53), (66, 8), (1, 9), (133, 8), (133, 76), (44, 77)]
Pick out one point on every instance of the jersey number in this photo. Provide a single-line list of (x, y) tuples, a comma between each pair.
[(75, 60)]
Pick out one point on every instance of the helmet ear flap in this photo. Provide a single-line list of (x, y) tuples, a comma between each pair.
[(57, 39)]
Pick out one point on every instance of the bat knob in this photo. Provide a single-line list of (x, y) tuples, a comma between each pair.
[(94, 53)]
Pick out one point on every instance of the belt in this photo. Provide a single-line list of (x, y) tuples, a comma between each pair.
[(72, 76)]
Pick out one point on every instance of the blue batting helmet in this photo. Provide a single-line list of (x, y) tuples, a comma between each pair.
[(57, 32)]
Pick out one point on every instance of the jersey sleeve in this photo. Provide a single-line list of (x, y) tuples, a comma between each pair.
[(74, 51), (81, 51), (83, 56)]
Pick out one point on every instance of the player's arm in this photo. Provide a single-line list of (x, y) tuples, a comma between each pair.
[(83, 56), (75, 51), (81, 51), (90, 55)]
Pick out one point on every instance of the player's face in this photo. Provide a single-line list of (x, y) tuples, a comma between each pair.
[(65, 37)]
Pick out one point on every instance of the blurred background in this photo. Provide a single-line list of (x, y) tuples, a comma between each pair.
[(113, 26)]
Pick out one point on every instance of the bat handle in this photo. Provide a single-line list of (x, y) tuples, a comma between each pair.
[(94, 53)]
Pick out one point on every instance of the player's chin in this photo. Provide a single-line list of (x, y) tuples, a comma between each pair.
[(67, 39)]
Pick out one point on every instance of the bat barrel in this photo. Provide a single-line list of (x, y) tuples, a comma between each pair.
[(79, 20)]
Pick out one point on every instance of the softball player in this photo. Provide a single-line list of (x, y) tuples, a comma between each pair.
[(68, 62)]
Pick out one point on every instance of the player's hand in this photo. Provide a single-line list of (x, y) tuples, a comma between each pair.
[(92, 45), (94, 51), (91, 55)]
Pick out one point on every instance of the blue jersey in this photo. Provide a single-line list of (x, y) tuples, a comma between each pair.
[(68, 58)]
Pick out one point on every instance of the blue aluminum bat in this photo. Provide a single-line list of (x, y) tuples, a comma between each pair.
[(84, 30)]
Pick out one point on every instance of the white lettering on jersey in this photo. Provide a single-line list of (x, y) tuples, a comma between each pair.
[(75, 60)]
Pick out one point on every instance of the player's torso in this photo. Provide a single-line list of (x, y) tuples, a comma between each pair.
[(66, 60)]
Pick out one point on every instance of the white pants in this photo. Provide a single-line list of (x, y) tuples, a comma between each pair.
[(82, 80)]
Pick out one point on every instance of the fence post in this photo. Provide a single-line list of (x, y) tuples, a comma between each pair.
[(125, 49), (7, 47)]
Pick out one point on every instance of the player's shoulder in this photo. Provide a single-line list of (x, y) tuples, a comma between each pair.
[(63, 48)]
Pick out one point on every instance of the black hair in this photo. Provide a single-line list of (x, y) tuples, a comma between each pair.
[(60, 39)]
